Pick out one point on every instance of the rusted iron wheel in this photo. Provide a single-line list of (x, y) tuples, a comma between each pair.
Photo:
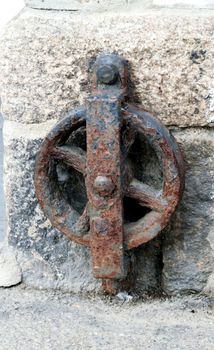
[(109, 177), (162, 203)]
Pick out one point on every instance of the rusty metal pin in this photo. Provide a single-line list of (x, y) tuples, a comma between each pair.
[(107, 74)]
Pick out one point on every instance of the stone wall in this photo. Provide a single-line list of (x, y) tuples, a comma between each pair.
[(45, 56), (185, 3), (89, 5), (75, 5), (2, 204)]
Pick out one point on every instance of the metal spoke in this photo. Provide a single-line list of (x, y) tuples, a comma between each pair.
[(146, 195), (73, 156)]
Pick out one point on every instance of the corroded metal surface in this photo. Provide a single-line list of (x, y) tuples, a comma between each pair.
[(104, 187), (111, 128)]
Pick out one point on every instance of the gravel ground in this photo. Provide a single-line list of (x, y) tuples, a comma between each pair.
[(43, 320)]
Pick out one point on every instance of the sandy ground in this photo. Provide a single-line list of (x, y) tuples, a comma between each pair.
[(54, 321)]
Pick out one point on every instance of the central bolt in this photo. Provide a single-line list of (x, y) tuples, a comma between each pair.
[(107, 74), (103, 185)]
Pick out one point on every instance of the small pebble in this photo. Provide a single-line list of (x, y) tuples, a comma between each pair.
[(124, 296)]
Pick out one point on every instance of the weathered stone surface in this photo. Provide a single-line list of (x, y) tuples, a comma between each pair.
[(148, 259), (44, 57), (185, 3), (2, 203), (74, 4), (47, 259), (109, 4), (54, 4), (188, 250), (10, 273)]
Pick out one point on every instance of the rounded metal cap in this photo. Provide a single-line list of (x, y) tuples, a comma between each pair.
[(107, 74)]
